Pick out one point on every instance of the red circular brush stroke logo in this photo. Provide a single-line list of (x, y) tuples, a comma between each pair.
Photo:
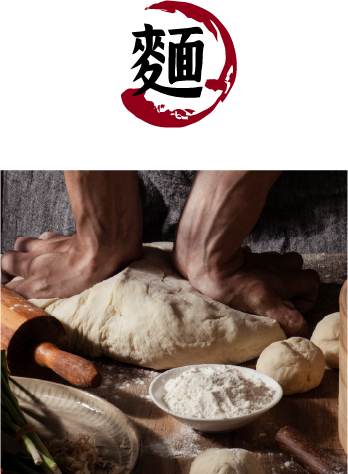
[(148, 112)]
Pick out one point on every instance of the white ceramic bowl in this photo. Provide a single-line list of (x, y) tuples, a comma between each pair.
[(157, 393)]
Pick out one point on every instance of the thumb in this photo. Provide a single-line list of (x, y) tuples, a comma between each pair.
[(289, 319), (22, 286)]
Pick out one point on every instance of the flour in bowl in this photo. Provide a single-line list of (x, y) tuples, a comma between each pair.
[(217, 393)]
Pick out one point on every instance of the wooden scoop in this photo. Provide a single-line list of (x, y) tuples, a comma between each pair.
[(305, 453), (34, 340)]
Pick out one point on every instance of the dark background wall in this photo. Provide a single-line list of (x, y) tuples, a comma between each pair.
[(306, 211)]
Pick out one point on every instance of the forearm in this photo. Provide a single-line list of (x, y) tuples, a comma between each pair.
[(221, 210), (107, 210), (106, 207)]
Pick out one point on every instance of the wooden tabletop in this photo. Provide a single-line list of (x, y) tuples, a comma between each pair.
[(169, 447)]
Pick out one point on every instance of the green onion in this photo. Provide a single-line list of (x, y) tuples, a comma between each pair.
[(50, 463), (12, 419), (60, 461)]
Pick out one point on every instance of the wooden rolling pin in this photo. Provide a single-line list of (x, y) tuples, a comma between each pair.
[(34, 340), (305, 453), (342, 397)]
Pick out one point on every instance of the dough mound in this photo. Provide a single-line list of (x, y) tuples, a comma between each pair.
[(297, 364), (226, 461), (150, 316), (326, 336)]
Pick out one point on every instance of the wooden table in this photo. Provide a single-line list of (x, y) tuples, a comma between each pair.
[(169, 447)]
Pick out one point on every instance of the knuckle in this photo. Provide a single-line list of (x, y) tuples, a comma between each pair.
[(49, 235), (19, 242), (6, 259), (20, 239), (45, 235), (313, 276), (260, 297), (297, 258)]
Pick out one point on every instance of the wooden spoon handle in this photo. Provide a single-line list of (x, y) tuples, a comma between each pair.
[(74, 369), (313, 459)]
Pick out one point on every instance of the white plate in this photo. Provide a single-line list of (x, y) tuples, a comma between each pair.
[(56, 410), (157, 393)]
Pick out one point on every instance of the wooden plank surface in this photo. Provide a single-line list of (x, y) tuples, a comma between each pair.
[(169, 447)]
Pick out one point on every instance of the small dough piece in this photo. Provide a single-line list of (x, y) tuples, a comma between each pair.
[(296, 364), (226, 461), (326, 336)]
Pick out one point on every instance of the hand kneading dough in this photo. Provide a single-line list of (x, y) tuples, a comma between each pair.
[(226, 461), (297, 364), (326, 336), (150, 316)]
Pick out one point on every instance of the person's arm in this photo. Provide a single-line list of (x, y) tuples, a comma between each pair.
[(107, 211), (221, 210)]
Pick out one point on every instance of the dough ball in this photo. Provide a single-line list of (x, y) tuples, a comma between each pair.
[(325, 336), (296, 364), (226, 461)]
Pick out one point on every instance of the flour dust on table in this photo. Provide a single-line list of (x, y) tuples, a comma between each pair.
[(149, 315)]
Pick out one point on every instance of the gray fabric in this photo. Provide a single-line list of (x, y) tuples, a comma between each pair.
[(163, 195), (306, 211), (34, 202)]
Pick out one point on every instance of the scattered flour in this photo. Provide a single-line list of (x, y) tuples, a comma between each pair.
[(184, 442), (216, 393), (146, 396), (125, 377)]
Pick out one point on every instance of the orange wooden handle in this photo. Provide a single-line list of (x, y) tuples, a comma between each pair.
[(74, 369)]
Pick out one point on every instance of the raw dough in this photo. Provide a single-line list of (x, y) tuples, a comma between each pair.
[(326, 336), (150, 316), (297, 364), (226, 461)]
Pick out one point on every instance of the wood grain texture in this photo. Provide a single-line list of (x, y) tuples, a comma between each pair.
[(16, 311), (22, 325), (30, 337), (169, 447), (314, 460), (343, 357)]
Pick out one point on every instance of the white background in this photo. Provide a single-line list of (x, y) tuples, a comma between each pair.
[(60, 87)]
